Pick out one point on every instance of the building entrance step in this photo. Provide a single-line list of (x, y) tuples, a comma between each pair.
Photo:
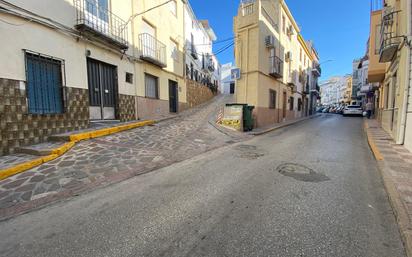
[(42, 149)]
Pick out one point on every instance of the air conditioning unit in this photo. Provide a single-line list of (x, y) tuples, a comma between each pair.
[(270, 41), (288, 56)]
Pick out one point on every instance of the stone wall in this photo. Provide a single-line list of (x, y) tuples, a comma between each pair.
[(197, 93), (20, 128), (126, 108)]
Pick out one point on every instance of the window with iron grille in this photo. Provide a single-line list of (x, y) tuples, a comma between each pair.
[(299, 104), (291, 103), (129, 77), (44, 84), (272, 99), (152, 86)]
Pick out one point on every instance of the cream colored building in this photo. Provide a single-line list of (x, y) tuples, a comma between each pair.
[(66, 63), (275, 62), (390, 58)]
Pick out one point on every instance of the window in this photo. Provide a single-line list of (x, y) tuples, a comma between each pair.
[(152, 86), (291, 103), (98, 8), (173, 7), (148, 29), (129, 77), (44, 84), (272, 99), (300, 54), (299, 104), (174, 53), (284, 24), (386, 104)]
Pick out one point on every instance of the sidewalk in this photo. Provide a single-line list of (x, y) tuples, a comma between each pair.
[(110, 159), (395, 164)]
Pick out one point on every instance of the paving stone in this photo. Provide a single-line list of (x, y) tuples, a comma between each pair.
[(26, 196), (26, 174), (65, 163), (37, 178), (9, 201), (15, 184), (25, 188)]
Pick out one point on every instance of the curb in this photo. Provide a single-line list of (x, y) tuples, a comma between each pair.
[(376, 153), (399, 210), (73, 139), (283, 125)]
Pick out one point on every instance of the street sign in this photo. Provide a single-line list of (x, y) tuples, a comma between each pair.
[(235, 74)]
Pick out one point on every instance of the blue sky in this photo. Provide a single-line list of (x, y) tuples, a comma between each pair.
[(339, 28)]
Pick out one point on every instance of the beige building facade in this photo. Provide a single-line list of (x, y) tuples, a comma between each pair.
[(390, 58), (276, 63)]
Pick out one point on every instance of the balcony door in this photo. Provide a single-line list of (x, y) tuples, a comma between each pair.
[(97, 15), (151, 47)]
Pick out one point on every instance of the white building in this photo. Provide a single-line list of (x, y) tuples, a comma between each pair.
[(333, 90), (201, 65), (228, 84)]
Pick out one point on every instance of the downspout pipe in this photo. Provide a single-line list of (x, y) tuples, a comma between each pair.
[(407, 89)]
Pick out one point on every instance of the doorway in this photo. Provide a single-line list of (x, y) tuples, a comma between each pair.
[(284, 104), (173, 96), (102, 81), (232, 88)]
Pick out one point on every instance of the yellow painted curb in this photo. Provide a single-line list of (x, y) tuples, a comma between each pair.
[(73, 139), (372, 145)]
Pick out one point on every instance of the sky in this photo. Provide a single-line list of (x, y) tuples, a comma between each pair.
[(339, 28)]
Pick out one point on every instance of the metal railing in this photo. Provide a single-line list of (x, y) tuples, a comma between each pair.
[(193, 51), (275, 67), (152, 50), (247, 7), (390, 39), (317, 70), (101, 22)]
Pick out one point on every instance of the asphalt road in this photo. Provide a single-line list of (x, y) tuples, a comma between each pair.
[(312, 189)]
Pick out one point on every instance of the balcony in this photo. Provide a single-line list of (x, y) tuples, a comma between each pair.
[(275, 67), (292, 80), (248, 14), (317, 71), (390, 40), (152, 50), (193, 51), (99, 22)]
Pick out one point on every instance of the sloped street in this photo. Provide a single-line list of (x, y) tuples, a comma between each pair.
[(114, 158), (304, 190)]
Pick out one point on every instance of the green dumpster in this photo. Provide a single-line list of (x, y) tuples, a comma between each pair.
[(247, 116)]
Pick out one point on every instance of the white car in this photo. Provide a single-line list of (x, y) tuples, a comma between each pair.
[(353, 110)]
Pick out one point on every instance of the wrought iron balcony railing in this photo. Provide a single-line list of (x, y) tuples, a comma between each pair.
[(152, 50), (275, 67), (193, 51), (102, 24), (390, 38), (317, 71)]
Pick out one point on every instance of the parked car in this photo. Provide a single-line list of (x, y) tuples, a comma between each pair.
[(339, 110), (353, 110)]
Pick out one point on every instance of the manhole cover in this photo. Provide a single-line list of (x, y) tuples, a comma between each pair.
[(301, 173)]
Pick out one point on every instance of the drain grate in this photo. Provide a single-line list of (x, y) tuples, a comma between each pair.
[(301, 173)]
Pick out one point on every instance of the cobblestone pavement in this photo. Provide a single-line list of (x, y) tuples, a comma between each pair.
[(114, 158)]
